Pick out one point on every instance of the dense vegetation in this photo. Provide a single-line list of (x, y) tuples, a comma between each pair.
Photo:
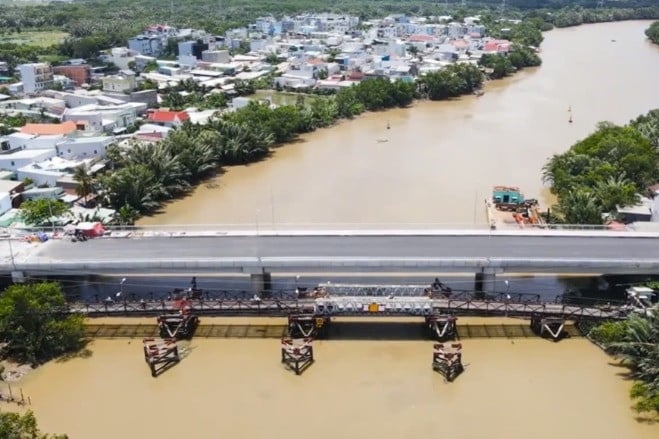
[(17, 426), (32, 327), (653, 32), (636, 343), (606, 169)]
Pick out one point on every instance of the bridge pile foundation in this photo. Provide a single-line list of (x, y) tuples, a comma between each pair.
[(297, 353), (550, 327), (307, 325), (447, 360), (160, 355), (442, 327), (181, 323)]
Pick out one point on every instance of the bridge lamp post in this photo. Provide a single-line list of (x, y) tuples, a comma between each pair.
[(121, 287)]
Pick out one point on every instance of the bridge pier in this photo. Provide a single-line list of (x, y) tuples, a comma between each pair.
[(485, 280), (261, 282), (18, 277)]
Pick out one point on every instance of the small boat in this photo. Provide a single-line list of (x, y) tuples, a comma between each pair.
[(613, 41)]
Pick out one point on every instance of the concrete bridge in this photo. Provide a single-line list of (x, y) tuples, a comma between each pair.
[(261, 252)]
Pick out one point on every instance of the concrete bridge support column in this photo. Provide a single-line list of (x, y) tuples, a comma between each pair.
[(485, 280), (261, 282), (18, 277)]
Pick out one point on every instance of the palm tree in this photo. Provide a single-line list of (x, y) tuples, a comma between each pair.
[(84, 182), (579, 207), (615, 192), (640, 352)]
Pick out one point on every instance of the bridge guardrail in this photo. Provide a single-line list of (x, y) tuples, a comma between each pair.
[(218, 229)]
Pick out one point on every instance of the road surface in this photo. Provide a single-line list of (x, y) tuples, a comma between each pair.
[(396, 253)]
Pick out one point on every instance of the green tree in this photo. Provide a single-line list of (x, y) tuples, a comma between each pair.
[(84, 182), (579, 207), (639, 351), (17, 426), (653, 32), (42, 211), (33, 325)]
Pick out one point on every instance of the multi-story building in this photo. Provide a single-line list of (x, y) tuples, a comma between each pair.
[(79, 74), (121, 83), (149, 45), (36, 77)]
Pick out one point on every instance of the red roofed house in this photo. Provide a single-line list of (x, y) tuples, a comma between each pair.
[(500, 46), (421, 38), (49, 129), (168, 118)]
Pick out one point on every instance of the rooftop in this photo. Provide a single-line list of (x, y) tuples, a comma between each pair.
[(42, 129)]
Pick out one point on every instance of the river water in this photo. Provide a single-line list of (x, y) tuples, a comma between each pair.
[(440, 159), (357, 388)]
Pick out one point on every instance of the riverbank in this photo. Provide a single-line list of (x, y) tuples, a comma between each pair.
[(237, 388)]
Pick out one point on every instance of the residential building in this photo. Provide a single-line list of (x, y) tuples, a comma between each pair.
[(78, 73), (121, 83), (48, 171), (49, 129), (84, 147), (36, 77), (106, 118), (149, 45), (168, 118), (15, 159), (122, 57)]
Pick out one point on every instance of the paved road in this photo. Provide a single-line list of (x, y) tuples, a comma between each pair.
[(508, 252)]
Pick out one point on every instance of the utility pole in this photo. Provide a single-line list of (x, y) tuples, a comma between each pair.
[(503, 6)]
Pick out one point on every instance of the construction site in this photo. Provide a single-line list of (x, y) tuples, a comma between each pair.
[(394, 312), (509, 209)]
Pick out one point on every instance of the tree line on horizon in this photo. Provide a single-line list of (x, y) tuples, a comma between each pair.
[(95, 25)]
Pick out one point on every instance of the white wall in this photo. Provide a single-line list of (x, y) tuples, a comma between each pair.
[(93, 147), (5, 202), (12, 162)]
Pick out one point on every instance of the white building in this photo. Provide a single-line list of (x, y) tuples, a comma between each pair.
[(47, 172), (119, 83), (106, 118), (12, 161), (84, 147), (36, 77), (5, 202)]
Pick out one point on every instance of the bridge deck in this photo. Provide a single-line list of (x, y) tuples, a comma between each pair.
[(384, 252), (352, 306)]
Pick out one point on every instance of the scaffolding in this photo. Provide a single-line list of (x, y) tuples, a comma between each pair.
[(160, 354), (297, 353), (447, 360)]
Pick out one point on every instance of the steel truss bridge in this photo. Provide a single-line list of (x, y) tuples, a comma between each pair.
[(334, 300)]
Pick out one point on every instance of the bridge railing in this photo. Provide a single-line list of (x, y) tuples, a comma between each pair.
[(266, 227)]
